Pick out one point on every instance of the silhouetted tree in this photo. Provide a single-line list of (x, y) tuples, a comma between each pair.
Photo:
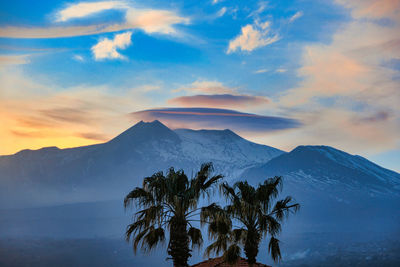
[(170, 203), (249, 216)]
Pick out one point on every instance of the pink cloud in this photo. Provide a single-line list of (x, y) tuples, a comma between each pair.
[(219, 100), (372, 8), (213, 118)]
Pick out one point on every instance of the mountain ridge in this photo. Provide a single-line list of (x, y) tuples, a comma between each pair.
[(121, 162), (328, 165), (106, 170)]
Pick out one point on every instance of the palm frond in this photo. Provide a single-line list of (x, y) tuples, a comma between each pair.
[(220, 245), (274, 249), (232, 254), (195, 237), (152, 238), (143, 197), (284, 207)]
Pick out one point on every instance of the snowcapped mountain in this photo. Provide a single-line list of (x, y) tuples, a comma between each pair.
[(103, 171), (328, 168), (337, 191), (107, 171)]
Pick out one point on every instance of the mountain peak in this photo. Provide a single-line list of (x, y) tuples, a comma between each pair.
[(143, 131)]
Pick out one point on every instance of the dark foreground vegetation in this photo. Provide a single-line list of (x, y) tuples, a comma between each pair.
[(170, 204)]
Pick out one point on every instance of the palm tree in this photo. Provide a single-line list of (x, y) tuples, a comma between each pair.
[(249, 216), (170, 203)]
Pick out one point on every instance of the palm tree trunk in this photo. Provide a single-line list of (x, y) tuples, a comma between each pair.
[(178, 247), (251, 246)]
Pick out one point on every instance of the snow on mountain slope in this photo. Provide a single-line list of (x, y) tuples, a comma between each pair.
[(224, 147), (108, 170), (327, 168), (105, 170)]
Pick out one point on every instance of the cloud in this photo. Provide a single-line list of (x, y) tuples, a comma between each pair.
[(296, 16), (262, 6), (94, 136), (36, 114), (78, 58), (348, 95), (281, 70), (107, 49), (261, 71), (149, 20), (373, 8), (221, 12), (207, 87), (155, 21), (212, 118), (222, 101), (253, 36), (6, 60), (85, 9)]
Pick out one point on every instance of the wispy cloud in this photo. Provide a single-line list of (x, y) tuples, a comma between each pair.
[(85, 9), (149, 20), (296, 16), (262, 6), (107, 48), (373, 8), (348, 97), (261, 71), (13, 60), (253, 36), (216, 1), (221, 101), (221, 12), (78, 58), (34, 114), (206, 86), (281, 70)]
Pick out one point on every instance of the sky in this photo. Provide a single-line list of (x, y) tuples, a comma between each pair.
[(281, 73)]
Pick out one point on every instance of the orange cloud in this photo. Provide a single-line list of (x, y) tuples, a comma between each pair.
[(373, 8), (348, 97), (33, 115)]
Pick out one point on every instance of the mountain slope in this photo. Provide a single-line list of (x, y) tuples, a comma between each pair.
[(106, 171), (328, 167)]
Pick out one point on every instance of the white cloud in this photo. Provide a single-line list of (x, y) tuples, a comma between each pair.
[(261, 71), (216, 1), (262, 6), (154, 21), (149, 20), (84, 9), (107, 48), (281, 70), (78, 58), (298, 15), (221, 12), (253, 36)]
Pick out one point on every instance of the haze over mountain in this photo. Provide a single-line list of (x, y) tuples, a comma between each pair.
[(106, 171), (78, 192)]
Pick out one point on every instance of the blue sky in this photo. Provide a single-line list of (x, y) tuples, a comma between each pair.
[(72, 72)]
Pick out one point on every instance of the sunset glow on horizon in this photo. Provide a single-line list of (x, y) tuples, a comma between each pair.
[(75, 73)]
